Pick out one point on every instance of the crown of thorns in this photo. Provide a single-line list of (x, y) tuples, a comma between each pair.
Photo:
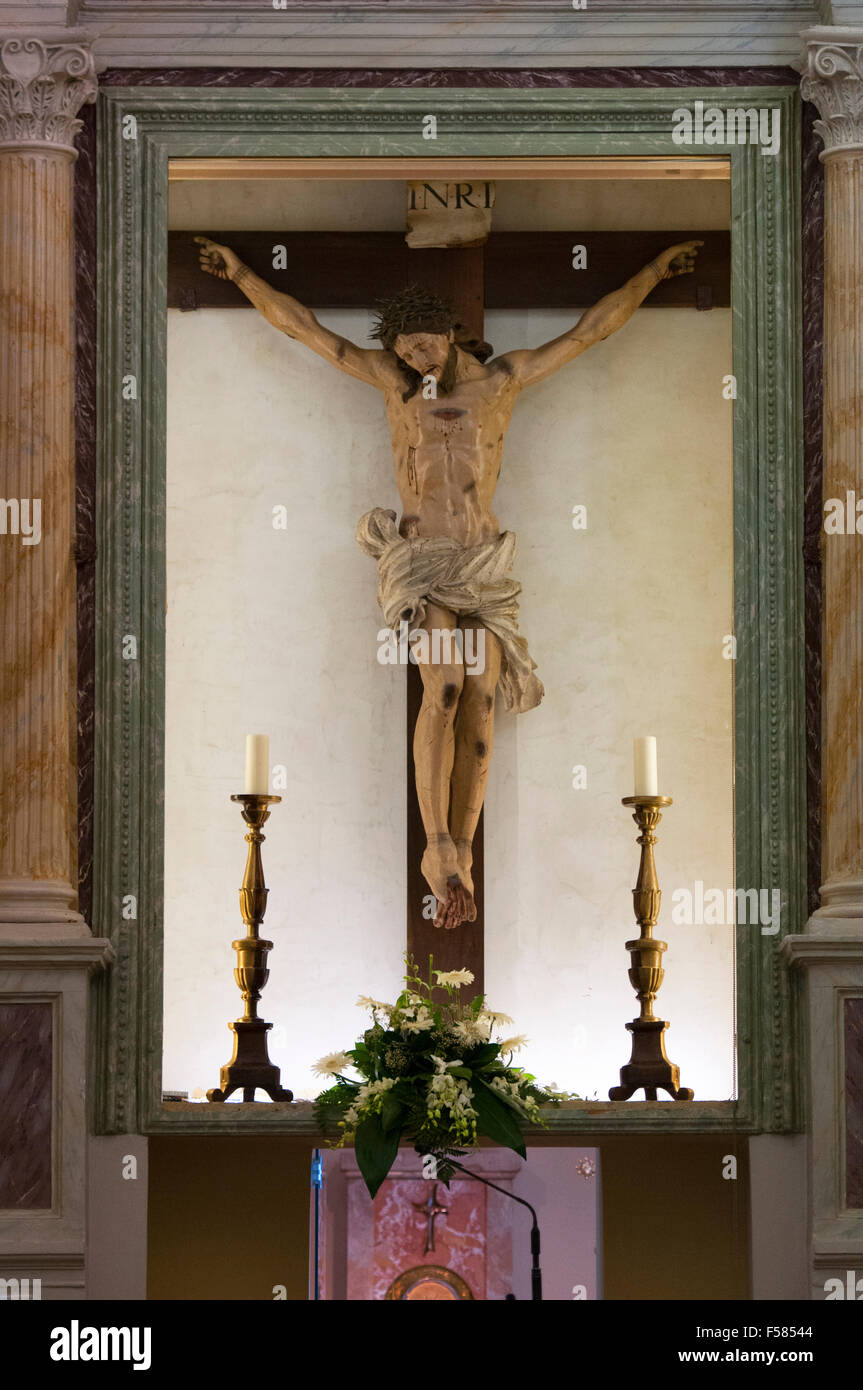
[(413, 310)]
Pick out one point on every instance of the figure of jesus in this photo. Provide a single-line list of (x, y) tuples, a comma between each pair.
[(446, 564)]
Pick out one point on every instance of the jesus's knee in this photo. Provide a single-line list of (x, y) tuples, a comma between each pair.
[(478, 695), (443, 687)]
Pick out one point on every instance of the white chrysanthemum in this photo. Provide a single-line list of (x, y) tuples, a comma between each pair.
[(333, 1063), (514, 1044), (469, 1031), (493, 1019), (457, 978)]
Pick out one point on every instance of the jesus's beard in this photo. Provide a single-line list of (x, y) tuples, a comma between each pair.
[(443, 385)]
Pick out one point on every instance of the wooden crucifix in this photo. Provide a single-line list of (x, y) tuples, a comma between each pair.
[(448, 407), (431, 1209)]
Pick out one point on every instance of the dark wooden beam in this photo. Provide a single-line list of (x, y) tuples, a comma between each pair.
[(522, 270), (534, 270), (458, 275)]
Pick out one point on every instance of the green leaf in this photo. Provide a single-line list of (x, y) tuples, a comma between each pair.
[(391, 1111), (375, 1151), (481, 1056), (496, 1120), (362, 1058)]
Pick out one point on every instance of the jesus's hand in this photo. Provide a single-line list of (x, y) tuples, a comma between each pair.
[(217, 260), (677, 260)]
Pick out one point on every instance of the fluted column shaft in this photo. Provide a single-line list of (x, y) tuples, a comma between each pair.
[(833, 80), (842, 856), (42, 86)]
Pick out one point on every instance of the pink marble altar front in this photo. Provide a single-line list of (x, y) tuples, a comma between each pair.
[(483, 1236), (387, 1237)]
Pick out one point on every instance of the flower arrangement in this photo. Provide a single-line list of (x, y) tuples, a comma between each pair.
[(431, 1071)]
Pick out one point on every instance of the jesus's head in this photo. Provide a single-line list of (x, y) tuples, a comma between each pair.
[(419, 328)]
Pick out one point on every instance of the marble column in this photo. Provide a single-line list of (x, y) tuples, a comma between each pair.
[(834, 82), (43, 84), (831, 950), (46, 949)]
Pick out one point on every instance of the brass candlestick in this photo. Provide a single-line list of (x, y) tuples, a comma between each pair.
[(648, 1066), (250, 1065)]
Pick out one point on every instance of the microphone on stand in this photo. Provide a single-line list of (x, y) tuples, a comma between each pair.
[(535, 1271)]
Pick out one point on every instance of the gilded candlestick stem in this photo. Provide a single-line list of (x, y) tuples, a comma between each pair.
[(250, 1066), (648, 1066)]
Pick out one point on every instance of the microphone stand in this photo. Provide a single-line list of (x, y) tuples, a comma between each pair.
[(535, 1271)]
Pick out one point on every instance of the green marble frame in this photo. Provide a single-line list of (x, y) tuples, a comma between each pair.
[(768, 508)]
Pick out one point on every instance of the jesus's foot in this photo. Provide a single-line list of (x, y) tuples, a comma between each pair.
[(441, 870), (464, 851), (457, 903), (458, 906)]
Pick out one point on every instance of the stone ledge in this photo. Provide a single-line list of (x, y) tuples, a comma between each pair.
[(61, 953)]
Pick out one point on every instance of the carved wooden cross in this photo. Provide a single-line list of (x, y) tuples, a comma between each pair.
[(513, 270)]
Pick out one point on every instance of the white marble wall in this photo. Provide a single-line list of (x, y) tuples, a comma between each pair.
[(274, 631)]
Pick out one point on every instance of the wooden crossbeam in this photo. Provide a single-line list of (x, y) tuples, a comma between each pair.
[(522, 270)]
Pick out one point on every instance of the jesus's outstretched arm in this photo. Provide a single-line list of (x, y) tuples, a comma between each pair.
[(529, 365), (293, 318)]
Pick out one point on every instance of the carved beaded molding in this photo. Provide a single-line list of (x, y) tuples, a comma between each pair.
[(833, 80), (139, 130), (43, 86)]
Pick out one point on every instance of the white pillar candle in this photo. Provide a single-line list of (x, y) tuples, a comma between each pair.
[(258, 764), (645, 767)]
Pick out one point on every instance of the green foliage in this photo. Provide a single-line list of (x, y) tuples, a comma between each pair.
[(497, 1119), (376, 1151)]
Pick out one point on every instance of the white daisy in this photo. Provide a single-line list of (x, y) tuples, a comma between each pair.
[(456, 978), (333, 1063)]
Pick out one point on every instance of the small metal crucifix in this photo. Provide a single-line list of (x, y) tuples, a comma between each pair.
[(431, 1208)]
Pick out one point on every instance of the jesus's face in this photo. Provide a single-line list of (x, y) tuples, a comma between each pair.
[(428, 354)]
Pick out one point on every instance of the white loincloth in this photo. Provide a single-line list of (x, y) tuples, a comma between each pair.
[(468, 580)]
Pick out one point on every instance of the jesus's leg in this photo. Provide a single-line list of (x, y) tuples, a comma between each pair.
[(474, 741), (434, 747)]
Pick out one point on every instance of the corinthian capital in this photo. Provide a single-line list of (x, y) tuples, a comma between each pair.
[(833, 80), (43, 86)]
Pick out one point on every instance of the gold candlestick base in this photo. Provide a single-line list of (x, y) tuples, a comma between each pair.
[(250, 1066), (648, 1067)]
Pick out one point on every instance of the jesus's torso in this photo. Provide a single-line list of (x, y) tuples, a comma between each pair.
[(447, 453)]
